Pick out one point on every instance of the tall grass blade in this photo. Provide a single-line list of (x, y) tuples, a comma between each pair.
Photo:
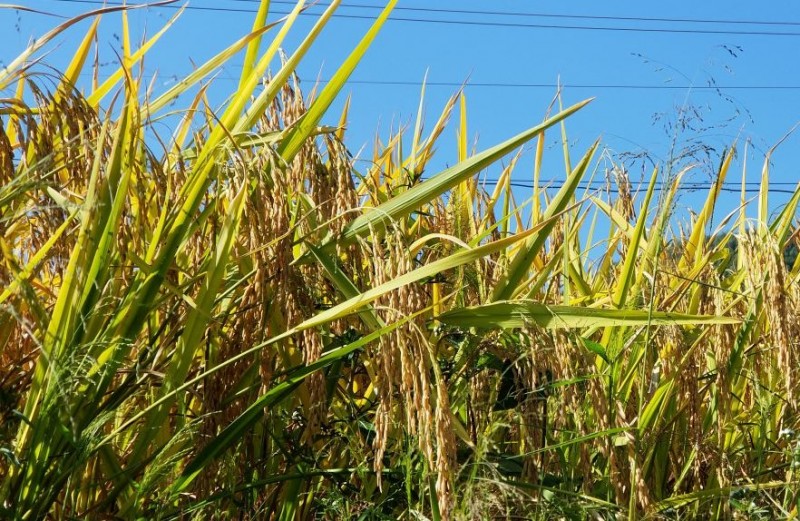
[(518, 314)]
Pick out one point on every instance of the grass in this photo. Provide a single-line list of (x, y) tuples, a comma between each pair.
[(234, 321)]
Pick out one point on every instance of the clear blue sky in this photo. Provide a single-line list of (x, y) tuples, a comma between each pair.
[(518, 50)]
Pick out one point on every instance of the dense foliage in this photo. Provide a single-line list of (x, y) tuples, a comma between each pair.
[(237, 321)]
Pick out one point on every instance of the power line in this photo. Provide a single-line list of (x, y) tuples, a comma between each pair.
[(613, 190), (605, 184), (549, 15), (475, 23), (523, 85), (511, 85), (699, 185), (601, 186), (574, 85)]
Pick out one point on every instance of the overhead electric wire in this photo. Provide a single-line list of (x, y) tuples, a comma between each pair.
[(475, 23), (410, 83), (613, 190), (687, 187), (506, 85), (547, 15)]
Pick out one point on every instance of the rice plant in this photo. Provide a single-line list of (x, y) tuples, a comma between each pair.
[(239, 321)]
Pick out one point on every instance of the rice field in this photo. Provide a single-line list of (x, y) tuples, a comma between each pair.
[(238, 320)]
